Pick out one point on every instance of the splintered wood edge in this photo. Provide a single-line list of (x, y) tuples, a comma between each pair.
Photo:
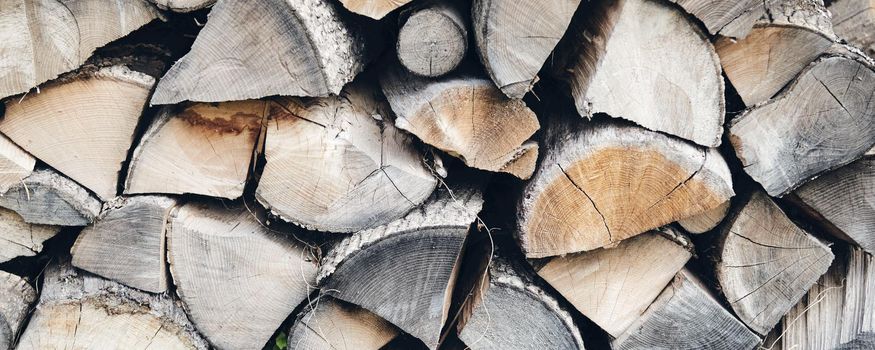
[(162, 117)]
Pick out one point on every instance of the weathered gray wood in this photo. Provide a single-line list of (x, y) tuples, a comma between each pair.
[(765, 263), (515, 37), (728, 18), (375, 9), (854, 20), (48, 198), (18, 238), (433, 39), (865, 341), (16, 297), (821, 121), (405, 271), (706, 221), (328, 323), (183, 5)]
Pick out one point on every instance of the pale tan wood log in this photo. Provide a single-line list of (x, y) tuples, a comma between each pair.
[(467, 117), (686, 316), (183, 5), (126, 243), (515, 37), (305, 48), (706, 221), (433, 39), (822, 120), (79, 311), (645, 61), (614, 286), (18, 238), (16, 297), (48, 198), (604, 181), (375, 9), (405, 271), (729, 18), (854, 20), (201, 148), (337, 164), (238, 279), (765, 263), (15, 163), (40, 39), (329, 323)]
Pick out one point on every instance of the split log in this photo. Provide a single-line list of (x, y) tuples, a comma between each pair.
[(510, 311), (433, 39), (686, 316), (126, 243), (81, 311), (514, 38), (765, 263), (238, 279), (335, 324), (854, 20), (706, 221), (16, 296), (728, 18), (15, 163), (18, 238), (820, 122), (375, 9), (645, 61), (309, 41), (39, 40), (467, 117), (201, 148), (48, 198), (614, 286), (603, 181), (776, 51), (337, 164), (418, 254), (183, 5)]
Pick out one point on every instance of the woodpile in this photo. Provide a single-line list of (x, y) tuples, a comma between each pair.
[(437, 174)]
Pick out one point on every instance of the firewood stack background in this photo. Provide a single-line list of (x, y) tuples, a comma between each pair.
[(437, 174)]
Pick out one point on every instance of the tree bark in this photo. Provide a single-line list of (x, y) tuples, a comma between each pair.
[(335, 324), (433, 39), (16, 297), (48, 198), (20, 238), (375, 9)]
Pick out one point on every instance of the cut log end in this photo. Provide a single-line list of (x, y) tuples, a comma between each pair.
[(16, 297), (48, 198), (21, 238), (375, 9), (705, 221), (183, 5), (433, 40), (730, 19), (335, 324)]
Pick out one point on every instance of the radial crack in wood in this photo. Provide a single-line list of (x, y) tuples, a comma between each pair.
[(375, 9), (433, 39), (16, 297), (705, 221), (183, 5), (335, 324), (18, 238), (48, 198)]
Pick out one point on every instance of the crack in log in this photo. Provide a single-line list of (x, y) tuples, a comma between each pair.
[(771, 246), (682, 183), (605, 222), (834, 96)]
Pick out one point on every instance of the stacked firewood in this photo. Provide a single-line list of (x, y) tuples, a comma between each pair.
[(438, 174)]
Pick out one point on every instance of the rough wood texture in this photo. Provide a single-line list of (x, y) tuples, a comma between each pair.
[(18, 238), (706, 221), (728, 18), (335, 324), (126, 243), (40, 39), (375, 9), (238, 279), (305, 48), (433, 39), (337, 164), (48, 198), (16, 296), (601, 182), (201, 148), (854, 20), (80, 311), (183, 5), (613, 286), (467, 117), (515, 37), (686, 316), (645, 61), (765, 263), (15, 163), (820, 122), (417, 254)]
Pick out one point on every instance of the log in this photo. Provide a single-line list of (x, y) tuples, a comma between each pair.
[(614, 286), (20, 238), (309, 41), (39, 40), (335, 324), (48, 198), (467, 117), (433, 39), (126, 243), (854, 20), (238, 279), (418, 254), (201, 148), (686, 316), (510, 311), (375, 9), (515, 38), (16, 297), (765, 263), (337, 164), (645, 61), (80, 311), (15, 163), (728, 18), (821, 121), (706, 221), (183, 5), (601, 182)]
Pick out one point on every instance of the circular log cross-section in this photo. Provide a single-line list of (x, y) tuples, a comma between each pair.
[(433, 40)]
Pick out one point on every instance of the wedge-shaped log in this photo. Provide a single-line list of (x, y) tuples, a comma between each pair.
[(375, 9), (765, 263), (16, 297), (823, 120), (48, 198), (183, 5), (515, 37), (467, 117), (80, 311), (417, 254), (15, 163), (854, 20), (201, 148), (18, 238), (728, 18), (686, 316), (604, 181), (39, 39), (328, 323), (706, 221), (126, 243), (305, 48), (645, 61), (613, 286), (433, 39)]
